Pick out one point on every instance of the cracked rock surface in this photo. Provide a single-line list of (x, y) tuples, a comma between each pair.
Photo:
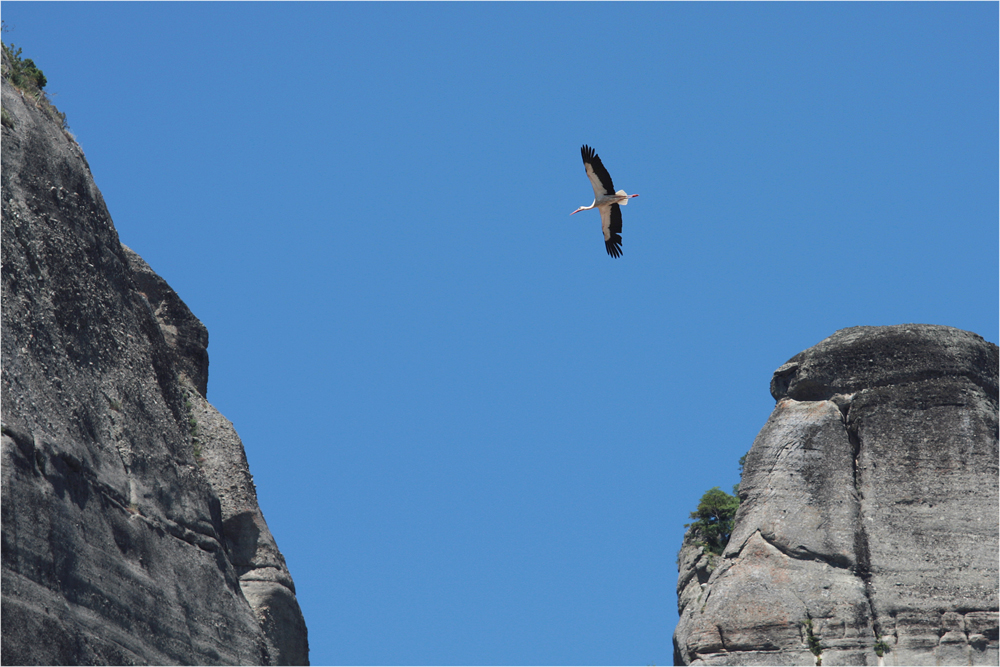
[(131, 531), (867, 532)]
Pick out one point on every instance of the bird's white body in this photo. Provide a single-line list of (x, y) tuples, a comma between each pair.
[(619, 197), (606, 199)]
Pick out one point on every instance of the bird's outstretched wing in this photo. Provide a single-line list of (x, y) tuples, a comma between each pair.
[(598, 175), (611, 221)]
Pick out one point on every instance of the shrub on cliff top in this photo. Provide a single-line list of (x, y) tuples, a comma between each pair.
[(23, 74)]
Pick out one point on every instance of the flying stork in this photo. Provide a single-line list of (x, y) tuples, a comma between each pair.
[(605, 199)]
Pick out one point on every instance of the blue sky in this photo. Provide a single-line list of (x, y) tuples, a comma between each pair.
[(475, 436)]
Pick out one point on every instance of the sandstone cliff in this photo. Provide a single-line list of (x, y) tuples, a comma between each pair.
[(131, 530), (868, 529)]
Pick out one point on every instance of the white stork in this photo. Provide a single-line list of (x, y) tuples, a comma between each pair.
[(605, 199)]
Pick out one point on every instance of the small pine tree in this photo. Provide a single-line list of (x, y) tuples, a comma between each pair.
[(714, 518)]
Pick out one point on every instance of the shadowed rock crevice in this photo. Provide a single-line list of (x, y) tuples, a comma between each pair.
[(862, 553), (868, 512)]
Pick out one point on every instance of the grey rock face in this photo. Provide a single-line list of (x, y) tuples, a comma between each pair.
[(868, 522), (185, 335), (131, 532)]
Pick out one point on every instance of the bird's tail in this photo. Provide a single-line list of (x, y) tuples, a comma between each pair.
[(622, 193)]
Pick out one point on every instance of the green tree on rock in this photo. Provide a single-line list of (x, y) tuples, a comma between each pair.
[(714, 518)]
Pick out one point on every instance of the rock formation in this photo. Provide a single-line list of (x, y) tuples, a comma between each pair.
[(868, 528), (131, 530)]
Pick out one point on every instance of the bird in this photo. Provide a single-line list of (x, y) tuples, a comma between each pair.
[(606, 200)]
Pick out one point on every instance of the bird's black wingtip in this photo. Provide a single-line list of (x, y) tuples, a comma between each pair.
[(588, 153), (614, 245)]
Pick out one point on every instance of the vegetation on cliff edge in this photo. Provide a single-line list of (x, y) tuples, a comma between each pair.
[(24, 74), (714, 518)]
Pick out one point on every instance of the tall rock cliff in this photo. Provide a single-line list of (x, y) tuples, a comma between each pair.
[(131, 530), (868, 531)]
